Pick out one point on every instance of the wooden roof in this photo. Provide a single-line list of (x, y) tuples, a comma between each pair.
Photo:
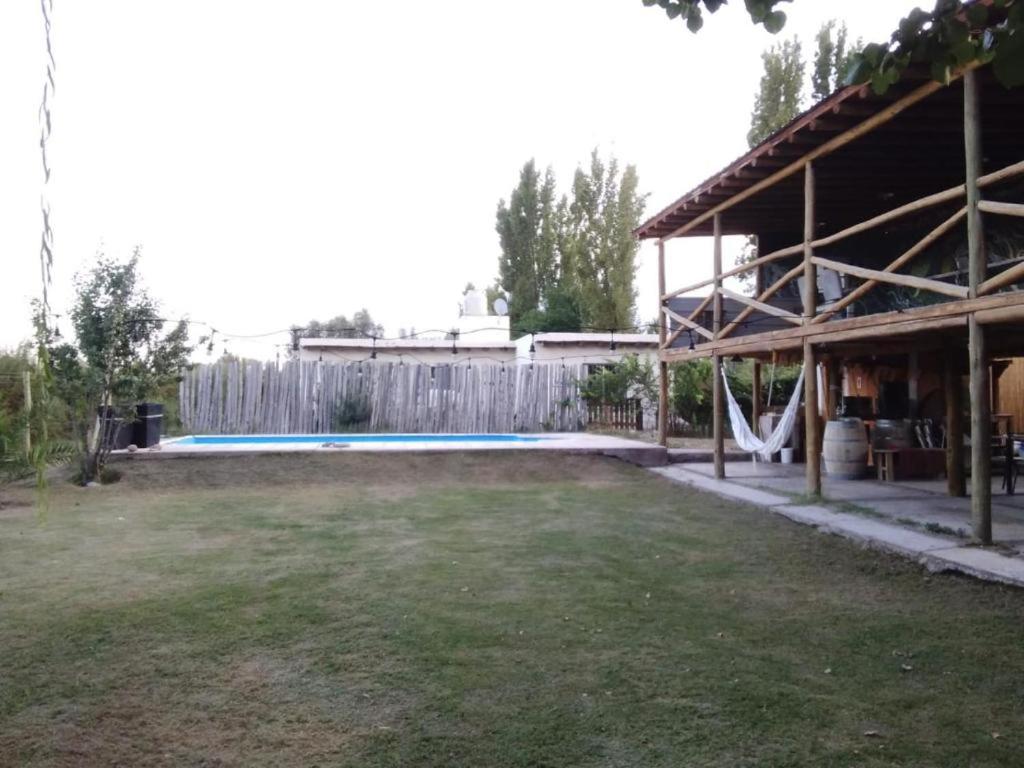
[(918, 152)]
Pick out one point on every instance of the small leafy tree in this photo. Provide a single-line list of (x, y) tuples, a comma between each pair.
[(119, 356), (690, 391), (619, 381)]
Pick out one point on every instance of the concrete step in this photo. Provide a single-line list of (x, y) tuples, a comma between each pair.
[(701, 456)]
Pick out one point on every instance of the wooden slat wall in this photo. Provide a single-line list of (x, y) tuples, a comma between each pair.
[(1010, 391), (305, 398)]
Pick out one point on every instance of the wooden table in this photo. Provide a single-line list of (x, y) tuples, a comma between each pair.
[(909, 463)]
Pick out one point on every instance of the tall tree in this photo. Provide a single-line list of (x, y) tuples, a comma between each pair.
[(599, 245), (527, 228), (832, 59), (780, 92)]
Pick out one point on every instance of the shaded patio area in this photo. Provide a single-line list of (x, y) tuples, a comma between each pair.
[(920, 504)]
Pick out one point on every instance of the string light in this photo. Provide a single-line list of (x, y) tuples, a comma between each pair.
[(455, 336), (690, 334), (373, 347), (611, 344)]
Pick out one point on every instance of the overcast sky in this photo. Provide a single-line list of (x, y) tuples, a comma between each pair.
[(280, 161)]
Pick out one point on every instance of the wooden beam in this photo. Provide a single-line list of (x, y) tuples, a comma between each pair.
[(763, 296), (905, 258), (755, 398), (863, 326), (689, 324), (908, 281), (834, 393), (955, 481), (917, 205), (768, 309), (701, 307), (1001, 315), (812, 445), (981, 432), (662, 365), (755, 374), (1003, 209), (752, 345), (1015, 169), (717, 391), (782, 253), (1003, 279), (828, 147), (981, 406)]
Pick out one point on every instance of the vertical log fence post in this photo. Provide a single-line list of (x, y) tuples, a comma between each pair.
[(718, 395), (981, 410), (812, 443), (662, 365)]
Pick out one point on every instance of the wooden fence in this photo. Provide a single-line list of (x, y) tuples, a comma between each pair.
[(316, 398), (628, 414)]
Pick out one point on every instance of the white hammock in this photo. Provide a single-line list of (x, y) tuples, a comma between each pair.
[(750, 442)]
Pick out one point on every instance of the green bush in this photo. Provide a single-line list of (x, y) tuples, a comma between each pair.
[(691, 387)]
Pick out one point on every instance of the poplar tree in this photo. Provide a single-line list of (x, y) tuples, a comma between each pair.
[(527, 228), (832, 59), (779, 94), (605, 207)]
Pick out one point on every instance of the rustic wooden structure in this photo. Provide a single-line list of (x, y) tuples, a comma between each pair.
[(250, 397), (875, 193)]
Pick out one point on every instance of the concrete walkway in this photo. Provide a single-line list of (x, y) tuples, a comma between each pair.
[(886, 516)]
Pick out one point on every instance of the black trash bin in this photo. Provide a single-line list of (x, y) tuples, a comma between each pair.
[(116, 427), (149, 422)]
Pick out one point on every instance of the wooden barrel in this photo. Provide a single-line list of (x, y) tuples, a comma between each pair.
[(845, 449)]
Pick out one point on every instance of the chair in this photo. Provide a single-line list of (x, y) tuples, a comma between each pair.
[(1005, 461)]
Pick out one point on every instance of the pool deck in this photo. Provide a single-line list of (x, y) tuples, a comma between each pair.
[(632, 451)]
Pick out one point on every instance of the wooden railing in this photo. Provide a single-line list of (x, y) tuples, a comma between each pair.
[(872, 278)]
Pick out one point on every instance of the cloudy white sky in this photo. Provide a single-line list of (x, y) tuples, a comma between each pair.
[(279, 161)]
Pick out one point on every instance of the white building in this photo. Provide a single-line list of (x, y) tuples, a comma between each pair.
[(409, 351), (590, 349), (484, 338)]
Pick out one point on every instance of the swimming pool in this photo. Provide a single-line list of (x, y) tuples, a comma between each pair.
[(351, 439)]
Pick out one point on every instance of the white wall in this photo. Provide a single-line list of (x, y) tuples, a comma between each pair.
[(434, 356)]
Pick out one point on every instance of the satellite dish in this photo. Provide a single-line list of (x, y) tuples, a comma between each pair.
[(500, 307)]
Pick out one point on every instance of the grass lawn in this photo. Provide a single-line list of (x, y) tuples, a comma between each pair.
[(479, 610)]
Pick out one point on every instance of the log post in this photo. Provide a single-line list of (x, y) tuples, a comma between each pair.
[(955, 483), (834, 395), (662, 365), (755, 374), (718, 395), (755, 396), (811, 422), (981, 407)]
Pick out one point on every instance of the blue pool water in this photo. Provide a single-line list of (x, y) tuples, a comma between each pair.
[(276, 439)]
